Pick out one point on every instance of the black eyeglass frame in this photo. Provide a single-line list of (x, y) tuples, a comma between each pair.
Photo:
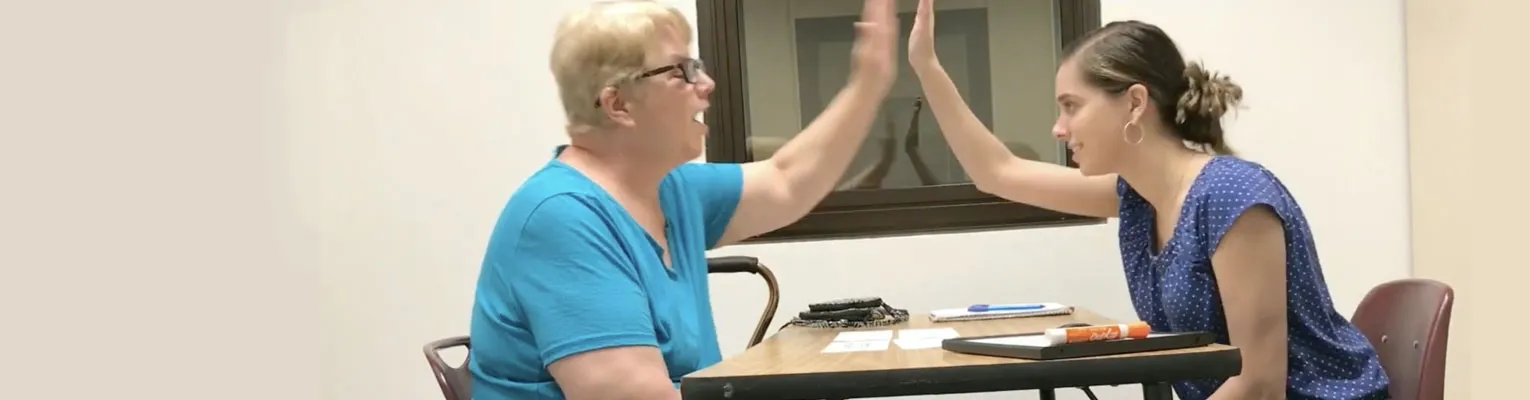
[(690, 70)]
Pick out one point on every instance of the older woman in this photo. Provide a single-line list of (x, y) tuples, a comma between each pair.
[(594, 283)]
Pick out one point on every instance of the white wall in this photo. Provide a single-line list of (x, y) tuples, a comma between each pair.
[(412, 120)]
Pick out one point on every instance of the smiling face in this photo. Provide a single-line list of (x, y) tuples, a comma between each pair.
[(672, 93), (1125, 88), (1093, 122), (628, 81)]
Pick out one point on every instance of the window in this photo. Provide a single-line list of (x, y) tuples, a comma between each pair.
[(777, 62)]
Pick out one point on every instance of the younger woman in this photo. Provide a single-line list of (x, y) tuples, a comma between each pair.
[(1210, 242)]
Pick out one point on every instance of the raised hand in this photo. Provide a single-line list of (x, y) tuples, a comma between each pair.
[(876, 39), (921, 39)]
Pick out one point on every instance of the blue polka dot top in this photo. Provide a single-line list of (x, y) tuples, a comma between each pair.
[(1176, 289)]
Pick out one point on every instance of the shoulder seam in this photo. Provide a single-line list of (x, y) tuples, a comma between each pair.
[(538, 208), (579, 197)]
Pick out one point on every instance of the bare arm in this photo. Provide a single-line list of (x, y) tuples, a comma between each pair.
[(1250, 267), (992, 167), (600, 347), (996, 171), (618, 373), (784, 188)]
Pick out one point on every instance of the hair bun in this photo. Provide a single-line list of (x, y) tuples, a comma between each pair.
[(1208, 94)]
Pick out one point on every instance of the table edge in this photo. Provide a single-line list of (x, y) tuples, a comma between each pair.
[(1223, 362)]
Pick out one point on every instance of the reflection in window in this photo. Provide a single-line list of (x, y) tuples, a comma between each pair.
[(809, 42)]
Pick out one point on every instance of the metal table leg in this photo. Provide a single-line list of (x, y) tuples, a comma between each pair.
[(1048, 394), (1157, 391)]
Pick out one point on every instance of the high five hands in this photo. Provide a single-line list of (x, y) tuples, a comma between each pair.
[(873, 60), (921, 39)]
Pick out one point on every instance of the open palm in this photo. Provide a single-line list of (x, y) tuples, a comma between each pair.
[(921, 40), (876, 44)]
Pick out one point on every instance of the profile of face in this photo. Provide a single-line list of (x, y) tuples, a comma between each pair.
[(1125, 89), (670, 95), (1099, 127)]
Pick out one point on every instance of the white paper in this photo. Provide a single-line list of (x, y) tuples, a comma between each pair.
[(918, 343), (865, 336), (935, 333), (861, 345)]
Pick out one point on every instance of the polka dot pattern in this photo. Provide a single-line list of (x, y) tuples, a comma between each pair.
[(1176, 289)]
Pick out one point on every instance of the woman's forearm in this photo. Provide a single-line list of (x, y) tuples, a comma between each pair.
[(995, 170)]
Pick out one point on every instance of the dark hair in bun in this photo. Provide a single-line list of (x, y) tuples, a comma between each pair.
[(1190, 98)]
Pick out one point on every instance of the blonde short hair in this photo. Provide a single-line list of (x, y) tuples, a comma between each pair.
[(603, 44)]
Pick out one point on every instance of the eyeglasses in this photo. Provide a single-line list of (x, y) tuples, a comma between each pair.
[(690, 70)]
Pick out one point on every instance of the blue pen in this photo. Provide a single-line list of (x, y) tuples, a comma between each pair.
[(1004, 307)]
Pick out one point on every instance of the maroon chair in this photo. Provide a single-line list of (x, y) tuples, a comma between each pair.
[(457, 382), (1408, 322)]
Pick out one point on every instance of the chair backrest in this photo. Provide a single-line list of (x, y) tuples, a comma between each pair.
[(737, 264), (456, 381), (1408, 322)]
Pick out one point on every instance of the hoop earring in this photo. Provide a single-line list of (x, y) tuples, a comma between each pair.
[(1126, 133)]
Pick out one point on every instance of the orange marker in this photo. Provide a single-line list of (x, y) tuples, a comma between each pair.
[(1098, 333)]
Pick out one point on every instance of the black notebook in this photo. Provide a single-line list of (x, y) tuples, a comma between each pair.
[(1035, 346)]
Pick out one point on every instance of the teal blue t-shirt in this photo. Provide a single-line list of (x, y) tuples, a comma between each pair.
[(568, 271)]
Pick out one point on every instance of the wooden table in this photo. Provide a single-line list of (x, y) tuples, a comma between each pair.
[(791, 365)]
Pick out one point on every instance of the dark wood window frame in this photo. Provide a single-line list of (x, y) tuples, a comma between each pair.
[(871, 212)]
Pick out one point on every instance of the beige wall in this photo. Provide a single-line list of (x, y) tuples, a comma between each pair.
[(147, 244), (1467, 137)]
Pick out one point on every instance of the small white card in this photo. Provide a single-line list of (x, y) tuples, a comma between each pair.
[(917, 344), (863, 345), (934, 333), (916, 339), (864, 336)]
